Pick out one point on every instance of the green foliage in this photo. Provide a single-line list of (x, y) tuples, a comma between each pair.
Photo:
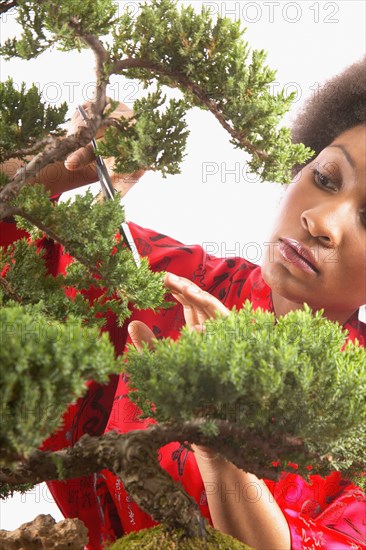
[(87, 229), (156, 141), (59, 466), (275, 378), (159, 537), (210, 64), (7, 491), (26, 281), (43, 367), (33, 40), (208, 61), (25, 119), (47, 23)]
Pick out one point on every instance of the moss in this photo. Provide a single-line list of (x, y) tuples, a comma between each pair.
[(159, 537)]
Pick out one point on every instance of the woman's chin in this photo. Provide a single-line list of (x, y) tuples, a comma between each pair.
[(286, 294)]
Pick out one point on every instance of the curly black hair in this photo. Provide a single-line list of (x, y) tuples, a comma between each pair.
[(339, 104)]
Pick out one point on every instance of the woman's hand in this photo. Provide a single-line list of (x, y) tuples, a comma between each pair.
[(198, 305)]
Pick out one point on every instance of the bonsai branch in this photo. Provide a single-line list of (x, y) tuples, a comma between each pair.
[(7, 5), (92, 268), (9, 291), (101, 58), (57, 150), (133, 457), (34, 148), (182, 81)]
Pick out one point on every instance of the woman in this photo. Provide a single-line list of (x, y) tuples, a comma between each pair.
[(323, 217), (318, 247)]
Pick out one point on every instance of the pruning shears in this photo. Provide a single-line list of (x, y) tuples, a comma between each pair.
[(109, 193)]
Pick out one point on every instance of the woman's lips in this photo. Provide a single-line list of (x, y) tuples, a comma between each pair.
[(298, 255)]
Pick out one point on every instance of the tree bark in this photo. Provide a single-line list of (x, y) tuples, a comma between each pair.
[(133, 457)]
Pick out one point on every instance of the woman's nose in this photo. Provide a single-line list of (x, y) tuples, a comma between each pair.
[(325, 222)]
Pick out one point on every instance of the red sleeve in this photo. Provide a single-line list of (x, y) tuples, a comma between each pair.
[(224, 278)]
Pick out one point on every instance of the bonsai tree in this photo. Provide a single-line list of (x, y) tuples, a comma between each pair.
[(264, 370)]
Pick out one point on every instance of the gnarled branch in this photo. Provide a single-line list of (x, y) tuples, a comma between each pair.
[(133, 457)]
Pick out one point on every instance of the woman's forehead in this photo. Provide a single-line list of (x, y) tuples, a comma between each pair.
[(352, 147), (353, 139)]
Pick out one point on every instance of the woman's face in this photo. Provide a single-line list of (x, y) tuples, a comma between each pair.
[(317, 251)]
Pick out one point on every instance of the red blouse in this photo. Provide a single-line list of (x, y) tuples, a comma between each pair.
[(327, 513)]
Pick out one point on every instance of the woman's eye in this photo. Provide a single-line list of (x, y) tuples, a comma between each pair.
[(324, 181)]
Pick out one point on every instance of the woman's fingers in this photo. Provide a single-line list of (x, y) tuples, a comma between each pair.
[(198, 305), (140, 334), (85, 155), (193, 316), (80, 158)]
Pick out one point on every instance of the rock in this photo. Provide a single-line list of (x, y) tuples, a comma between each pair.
[(43, 533)]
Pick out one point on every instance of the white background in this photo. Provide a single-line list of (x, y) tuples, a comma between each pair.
[(307, 42)]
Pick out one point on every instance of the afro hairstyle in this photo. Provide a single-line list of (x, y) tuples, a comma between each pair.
[(340, 104)]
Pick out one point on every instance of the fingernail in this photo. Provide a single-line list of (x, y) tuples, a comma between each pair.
[(131, 328), (173, 277), (71, 162), (194, 289)]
